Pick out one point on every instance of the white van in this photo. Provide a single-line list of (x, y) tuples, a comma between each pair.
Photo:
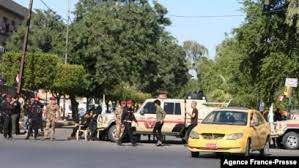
[(176, 121)]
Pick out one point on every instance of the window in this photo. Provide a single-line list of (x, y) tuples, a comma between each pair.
[(226, 118), (177, 109), (254, 118), (169, 108), (260, 119), (149, 108)]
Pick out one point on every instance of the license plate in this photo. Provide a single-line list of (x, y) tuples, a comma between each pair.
[(211, 146)]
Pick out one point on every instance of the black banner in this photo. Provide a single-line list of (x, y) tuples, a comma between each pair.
[(259, 162)]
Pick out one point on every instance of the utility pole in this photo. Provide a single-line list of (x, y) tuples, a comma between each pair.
[(66, 45), (67, 31), (21, 71)]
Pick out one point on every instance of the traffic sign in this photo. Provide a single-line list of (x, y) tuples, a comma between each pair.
[(292, 82)]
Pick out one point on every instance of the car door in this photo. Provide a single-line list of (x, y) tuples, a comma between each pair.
[(146, 117), (254, 131), (262, 130)]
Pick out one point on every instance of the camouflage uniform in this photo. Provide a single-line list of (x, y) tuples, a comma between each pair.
[(118, 124), (51, 115)]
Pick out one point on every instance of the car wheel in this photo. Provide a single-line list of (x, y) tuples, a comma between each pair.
[(248, 148), (265, 150), (112, 134), (194, 154), (103, 135), (290, 140)]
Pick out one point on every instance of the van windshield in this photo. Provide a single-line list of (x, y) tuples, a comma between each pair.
[(226, 118)]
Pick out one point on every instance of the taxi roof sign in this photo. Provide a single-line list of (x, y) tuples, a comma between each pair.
[(291, 82)]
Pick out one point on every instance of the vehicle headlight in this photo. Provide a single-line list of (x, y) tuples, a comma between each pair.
[(234, 136), (194, 135)]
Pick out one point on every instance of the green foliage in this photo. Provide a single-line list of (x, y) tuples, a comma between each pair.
[(194, 51), (293, 14), (39, 72), (69, 79), (191, 86), (127, 43), (125, 91), (255, 61), (47, 34)]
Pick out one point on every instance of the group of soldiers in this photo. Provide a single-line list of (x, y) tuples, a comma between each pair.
[(10, 110), (34, 114)]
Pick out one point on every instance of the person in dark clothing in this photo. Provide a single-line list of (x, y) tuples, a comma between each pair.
[(15, 117), (84, 121), (127, 117), (26, 112), (7, 109), (277, 115), (160, 116), (1, 116), (34, 113), (93, 124), (194, 120)]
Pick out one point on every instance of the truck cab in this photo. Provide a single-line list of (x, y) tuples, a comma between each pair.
[(286, 132)]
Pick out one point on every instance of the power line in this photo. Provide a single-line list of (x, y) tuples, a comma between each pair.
[(49, 8), (206, 16)]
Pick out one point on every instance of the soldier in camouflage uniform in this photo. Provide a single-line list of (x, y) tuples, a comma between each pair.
[(117, 117), (52, 113)]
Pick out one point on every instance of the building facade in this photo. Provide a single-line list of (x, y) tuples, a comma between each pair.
[(11, 16)]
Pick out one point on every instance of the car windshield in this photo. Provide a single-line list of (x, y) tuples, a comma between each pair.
[(226, 118)]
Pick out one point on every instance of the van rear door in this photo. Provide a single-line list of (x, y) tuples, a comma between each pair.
[(174, 119)]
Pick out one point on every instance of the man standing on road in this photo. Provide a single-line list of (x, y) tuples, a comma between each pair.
[(194, 120), (15, 117), (2, 99), (160, 116), (34, 113), (127, 117), (7, 109), (117, 117), (28, 104), (51, 116)]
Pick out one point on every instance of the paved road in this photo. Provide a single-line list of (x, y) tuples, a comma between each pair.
[(81, 154)]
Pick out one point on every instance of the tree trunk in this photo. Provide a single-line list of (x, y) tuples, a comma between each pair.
[(74, 106)]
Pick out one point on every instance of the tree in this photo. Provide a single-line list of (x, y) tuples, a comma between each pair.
[(194, 51), (69, 80), (37, 74), (125, 91), (47, 34), (127, 43), (292, 14), (255, 60)]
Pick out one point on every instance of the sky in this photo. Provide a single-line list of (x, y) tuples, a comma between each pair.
[(208, 31)]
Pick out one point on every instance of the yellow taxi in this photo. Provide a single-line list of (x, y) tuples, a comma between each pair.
[(235, 130)]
